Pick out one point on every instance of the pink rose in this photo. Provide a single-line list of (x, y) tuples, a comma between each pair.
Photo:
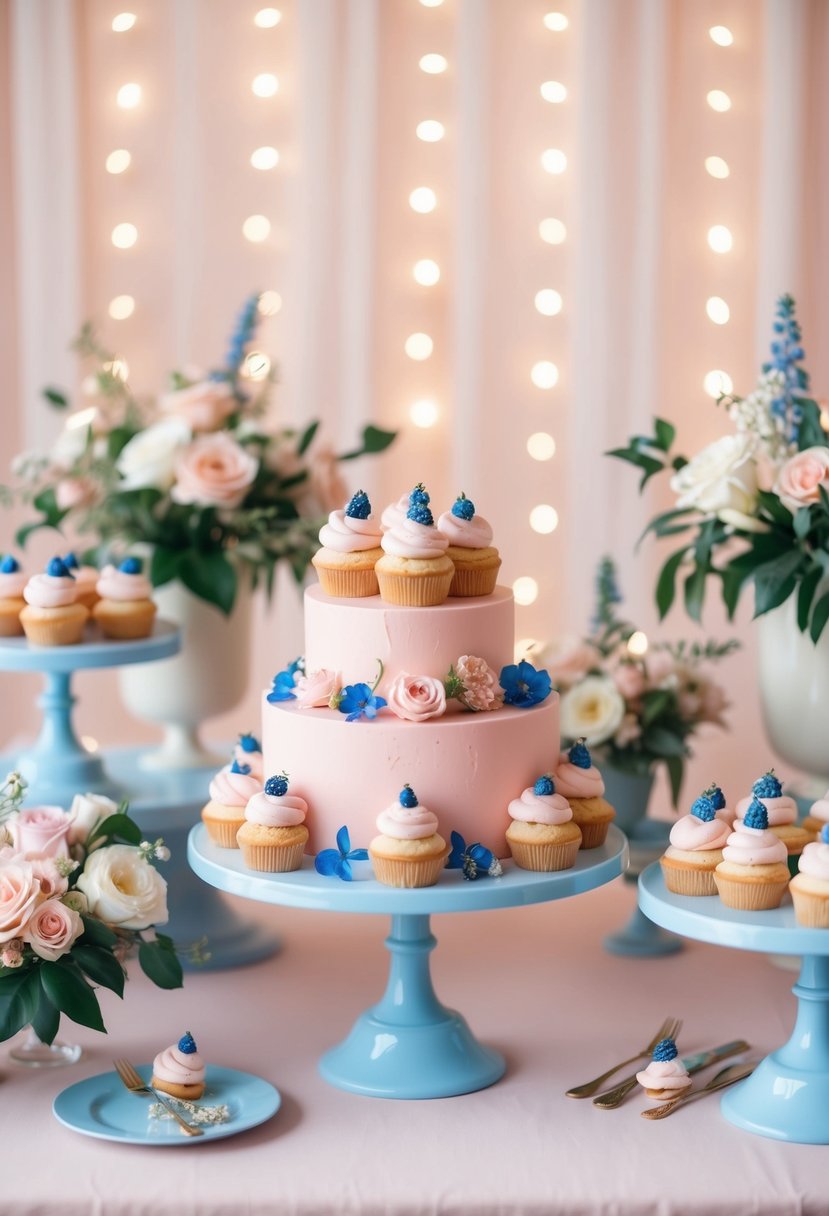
[(630, 680), (19, 894), (659, 667), (799, 478), (52, 882), (74, 492), (11, 955), (416, 698), (204, 406), (316, 688), (569, 661), (53, 929), (213, 471), (42, 830)]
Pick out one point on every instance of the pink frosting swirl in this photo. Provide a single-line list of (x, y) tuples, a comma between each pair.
[(407, 823), (50, 591), (86, 579), (549, 809), (692, 835), (575, 782), (345, 534), (411, 539), (177, 1068), (394, 513), (820, 809), (233, 789), (754, 847), (116, 584), (271, 811), (814, 860), (780, 810), (12, 584), (474, 533), (664, 1074)]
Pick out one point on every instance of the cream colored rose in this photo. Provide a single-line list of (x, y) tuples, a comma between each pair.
[(149, 459), (204, 406), (53, 929), (87, 810), (722, 477), (214, 471), (799, 480), (593, 710), (123, 889), (19, 895)]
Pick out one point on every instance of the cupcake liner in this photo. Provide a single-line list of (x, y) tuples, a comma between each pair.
[(126, 625), (474, 581), (683, 880), (414, 590), (812, 825), (593, 834), (749, 896), (10, 626), (223, 831), (544, 857), (810, 910), (408, 871), (273, 858), (63, 630), (342, 583)]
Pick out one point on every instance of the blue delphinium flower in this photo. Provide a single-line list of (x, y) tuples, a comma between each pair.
[(767, 786), (463, 507), (786, 354), (284, 682), (475, 860), (360, 701), (57, 568), (579, 755), (337, 862), (243, 333), (9, 565), (703, 808), (756, 816), (236, 767), (359, 506), (131, 565), (665, 1051), (524, 686)]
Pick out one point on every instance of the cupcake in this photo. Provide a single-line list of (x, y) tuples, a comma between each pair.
[(230, 791), (817, 817), (810, 886), (666, 1076), (125, 609), (86, 580), (394, 513), (248, 751), (414, 570), (470, 547), (273, 835), (580, 782), (695, 850), (52, 616), (782, 812), (179, 1070), (408, 852), (754, 872), (350, 550), (542, 834), (12, 603)]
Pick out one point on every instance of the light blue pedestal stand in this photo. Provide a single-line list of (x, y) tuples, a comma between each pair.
[(408, 1045), (640, 937), (787, 1096)]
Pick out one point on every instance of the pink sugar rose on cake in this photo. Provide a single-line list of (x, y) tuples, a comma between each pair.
[(416, 698), (315, 689), (214, 471)]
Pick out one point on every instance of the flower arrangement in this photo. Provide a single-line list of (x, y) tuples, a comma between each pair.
[(78, 892), (759, 497), (635, 709), (201, 475)]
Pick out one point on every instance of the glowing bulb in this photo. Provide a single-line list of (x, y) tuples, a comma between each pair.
[(718, 100), (118, 368), (433, 65), (717, 384), (270, 303), (554, 160), (121, 307), (548, 302), (556, 22), (426, 272), (430, 130), (525, 590), (638, 644), (123, 22), (716, 166), (267, 18), (541, 446), (118, 161), (89, 742), (265, 84), (717, 309), (424, 413), (256, 365), (129, 96), (423, 199), (82, 418), (544, 518), (553, 232), (544, 374), (256, 228), (419, 347), (431, 3), (124, 236), (554, 91), (264, 158), (720, 238), (721, 34)]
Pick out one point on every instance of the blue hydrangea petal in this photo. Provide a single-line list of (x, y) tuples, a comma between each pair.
[(325, 863), (358, 855), (343, 840), (458, 849)]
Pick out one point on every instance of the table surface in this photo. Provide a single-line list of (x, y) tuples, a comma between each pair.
[(534, 982)]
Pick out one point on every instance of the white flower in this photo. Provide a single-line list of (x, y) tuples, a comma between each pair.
[(87, 810), (123, 889), (592, 710), (722, 477), (149, 459)]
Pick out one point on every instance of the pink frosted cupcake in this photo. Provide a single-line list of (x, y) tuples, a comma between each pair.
[(414, 570), (86, 580), (818, 816), (580, 782), (12, 603), (542, 835), (350, 550), (408, 852), (394, 513), (52, 615), (470, 547), (754, 872), (273, 836), (230, 792), (781, 810), (179, 1070), (695, 851), (666, 1076), (125, 609), (810, 886)]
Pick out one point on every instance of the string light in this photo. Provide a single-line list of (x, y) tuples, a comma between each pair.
[(720, 238), (556, 22), (718, 100), (256, 365), (124, 236), (123, 22), (544, 374), (541, 446), (264, 158), (118, 161), (544, 518), (716, 166), (121, 307), (267, 18), (270, 303), (548, 302), (638, 644), (89, 743), (717, 309), (554, 160), (553, 91), (721, 34), (430, 130), (552, 231), (256, 228), (525, 590), (419, 347), (426, 272), (129, 96), (424, 413), (423, 199), (717, 383), (265, 84), (433, 64)]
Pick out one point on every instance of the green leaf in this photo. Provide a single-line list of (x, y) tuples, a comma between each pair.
[(665, 433), (19, 994), (68, 991), (733, 581), (46, 1019), (164, 565), (649, 465), (119, 827), (772, 505), (666, 520), (374, 440), (654, 704), (676, 775), (96, 933), (666, 583), (307, 438), (811, 434), (774, 581), (211, 577), (101, 967), (160, 963), (695, 592), (802, 522), (819, 617), (663, 742), (805, 595), (117, 440), (56, 398)]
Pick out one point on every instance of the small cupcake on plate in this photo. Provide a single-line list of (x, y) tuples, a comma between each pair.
[(248, 751), (580, 782), (542, 835), (394, 513), (179, 1070), (666, 1076), (350, 550), (52, 615), (12, 603), (125, 609), (86, 580), (810, 886), (695, 850), (818, 816), (754, 872), (230, 792), (782, 813), (408, 852), (273, 836), (470, 547), (414, 570)]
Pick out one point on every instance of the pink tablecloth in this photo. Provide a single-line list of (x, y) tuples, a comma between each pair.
[(535, 982)]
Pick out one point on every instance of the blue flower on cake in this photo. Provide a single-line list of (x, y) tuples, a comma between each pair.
[(337, 862), (360, 700), (523, 685), (285, 681), (475, 860)]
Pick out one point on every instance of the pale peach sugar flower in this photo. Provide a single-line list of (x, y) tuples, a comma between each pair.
[(481, 689)]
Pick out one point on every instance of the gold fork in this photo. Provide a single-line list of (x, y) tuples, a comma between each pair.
[(668, 1030), (135, 1085)]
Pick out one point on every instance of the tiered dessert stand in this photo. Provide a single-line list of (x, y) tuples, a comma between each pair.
[(787, 1096), (409, 1045)]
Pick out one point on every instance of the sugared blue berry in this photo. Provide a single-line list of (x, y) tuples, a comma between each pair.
[(756, 816), (57, 568), (359, 506), (717, 797), (187, 1044), (664, 1051), (9, 565), (131, 565), (70, 561), (703, 808), (236, 767), (579, 754), (408, 797), (277, 786), (767, 786), (249, 743), (544, 786), (419, 495), (421, 514), (463, 507)]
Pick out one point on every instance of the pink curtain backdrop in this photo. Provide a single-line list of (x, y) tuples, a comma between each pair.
[(634, 270)]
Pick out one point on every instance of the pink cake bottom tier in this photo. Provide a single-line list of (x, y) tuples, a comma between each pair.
[(465, 767)]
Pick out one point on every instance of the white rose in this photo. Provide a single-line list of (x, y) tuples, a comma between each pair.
[(593, 710), (149, 459), (87, 810), (720, 478), (123, 889)]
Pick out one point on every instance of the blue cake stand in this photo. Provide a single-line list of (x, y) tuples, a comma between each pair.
[(787, 1096), (409, 1045), (640, 937)]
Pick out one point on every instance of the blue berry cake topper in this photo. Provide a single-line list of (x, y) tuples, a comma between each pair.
[(187, 1044), (756, 816), (57, 568), (767, 786), (544, 786), (249, 743), (463, 507), (358, 506), (277, 786), (419, 496), (579, 754), (703, 808), (70, 561), (716, 795), (9, 565), (131, 565), (665, 1051), (408, 797), (419, 506), (236, 767)]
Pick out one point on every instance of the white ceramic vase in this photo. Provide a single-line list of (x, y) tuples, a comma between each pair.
[(208, 677)]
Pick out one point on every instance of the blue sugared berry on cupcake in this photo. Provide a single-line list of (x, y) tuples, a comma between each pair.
[(665, 1051), (277, 786), (9, 565), (717, 796), (57, 568), (544, 786), (131, 565), (767, 786), (579, 754), (463, 507), (703, 808), (187, 1044), (236, 767), (249, 743), (419, 495), (756, 816), (421, 514), (358, 506), (408, 797)]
